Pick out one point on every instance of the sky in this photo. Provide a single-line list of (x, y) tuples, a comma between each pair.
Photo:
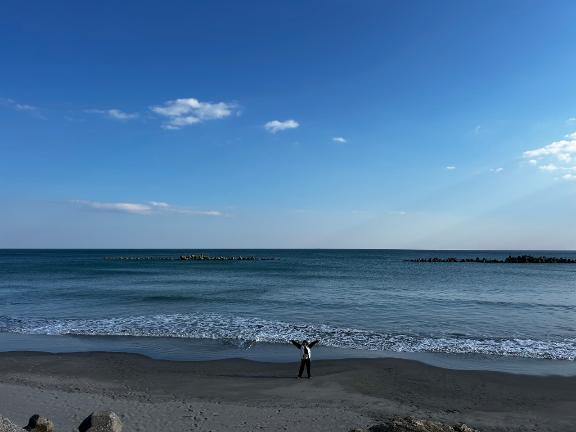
[(288, 124)]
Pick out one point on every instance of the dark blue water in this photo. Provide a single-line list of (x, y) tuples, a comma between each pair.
[(363, 300)]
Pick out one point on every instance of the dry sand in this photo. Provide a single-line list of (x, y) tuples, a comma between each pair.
[(240, 395)]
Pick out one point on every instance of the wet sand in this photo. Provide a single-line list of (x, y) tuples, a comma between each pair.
[(242, 395)]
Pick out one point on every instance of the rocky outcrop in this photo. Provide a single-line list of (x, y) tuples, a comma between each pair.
[(218, 258), (409, 424), (39, 424), (101, 421), (200, 257), (522, 259)]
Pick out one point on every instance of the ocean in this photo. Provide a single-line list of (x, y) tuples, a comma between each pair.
[(356, 302)]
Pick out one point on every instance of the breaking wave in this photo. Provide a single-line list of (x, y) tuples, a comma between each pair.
[(245, 331)]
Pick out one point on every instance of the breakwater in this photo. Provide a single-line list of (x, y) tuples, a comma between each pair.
[(521, 259), (200, 257)]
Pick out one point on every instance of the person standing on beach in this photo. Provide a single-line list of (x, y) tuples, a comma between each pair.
[(306, 349)]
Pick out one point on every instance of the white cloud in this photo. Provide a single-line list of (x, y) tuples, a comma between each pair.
[(477, 129), (569, 177), (115, 114), (277, 126), (189, 111), (151, 207), (450, 167), (562, 150), (339, 140), (556, 156), (496, 170), (396, 212), (571, 120)]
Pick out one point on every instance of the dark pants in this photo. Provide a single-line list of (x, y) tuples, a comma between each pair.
[(302, 363)]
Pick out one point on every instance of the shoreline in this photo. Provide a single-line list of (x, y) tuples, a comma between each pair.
[(244, 395), (185, 349)]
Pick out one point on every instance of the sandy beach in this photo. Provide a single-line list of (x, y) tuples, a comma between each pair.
[(241, 395)]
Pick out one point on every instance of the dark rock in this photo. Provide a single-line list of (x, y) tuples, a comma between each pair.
[(101, 421), (39, 424), (409, 424), (200, 257), (522, 259)]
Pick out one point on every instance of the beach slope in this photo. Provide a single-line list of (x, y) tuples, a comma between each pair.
[(240, 395)]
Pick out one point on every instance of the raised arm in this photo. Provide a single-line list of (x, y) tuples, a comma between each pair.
[(296, 344), (311, 344)]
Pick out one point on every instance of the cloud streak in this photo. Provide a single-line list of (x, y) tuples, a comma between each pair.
[(12, 104), (341, 140), (115, 114), (148, 208), (179, 113), (275, 126)]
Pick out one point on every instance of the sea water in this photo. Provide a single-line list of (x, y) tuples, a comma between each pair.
[(363, 302)]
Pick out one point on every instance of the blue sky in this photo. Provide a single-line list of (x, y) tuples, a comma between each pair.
[(363, 124)]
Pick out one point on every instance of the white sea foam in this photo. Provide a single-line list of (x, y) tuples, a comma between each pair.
[(244, 331)]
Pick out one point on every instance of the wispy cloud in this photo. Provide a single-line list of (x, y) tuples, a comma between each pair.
[(278, 126), (339, 140), (11, 104), (496, 170), (148, 208), (450, 168), (114, 114), (556, 156), (548, 167), (188, 111)]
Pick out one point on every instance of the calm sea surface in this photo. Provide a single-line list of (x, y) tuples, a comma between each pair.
[(365, 300)]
